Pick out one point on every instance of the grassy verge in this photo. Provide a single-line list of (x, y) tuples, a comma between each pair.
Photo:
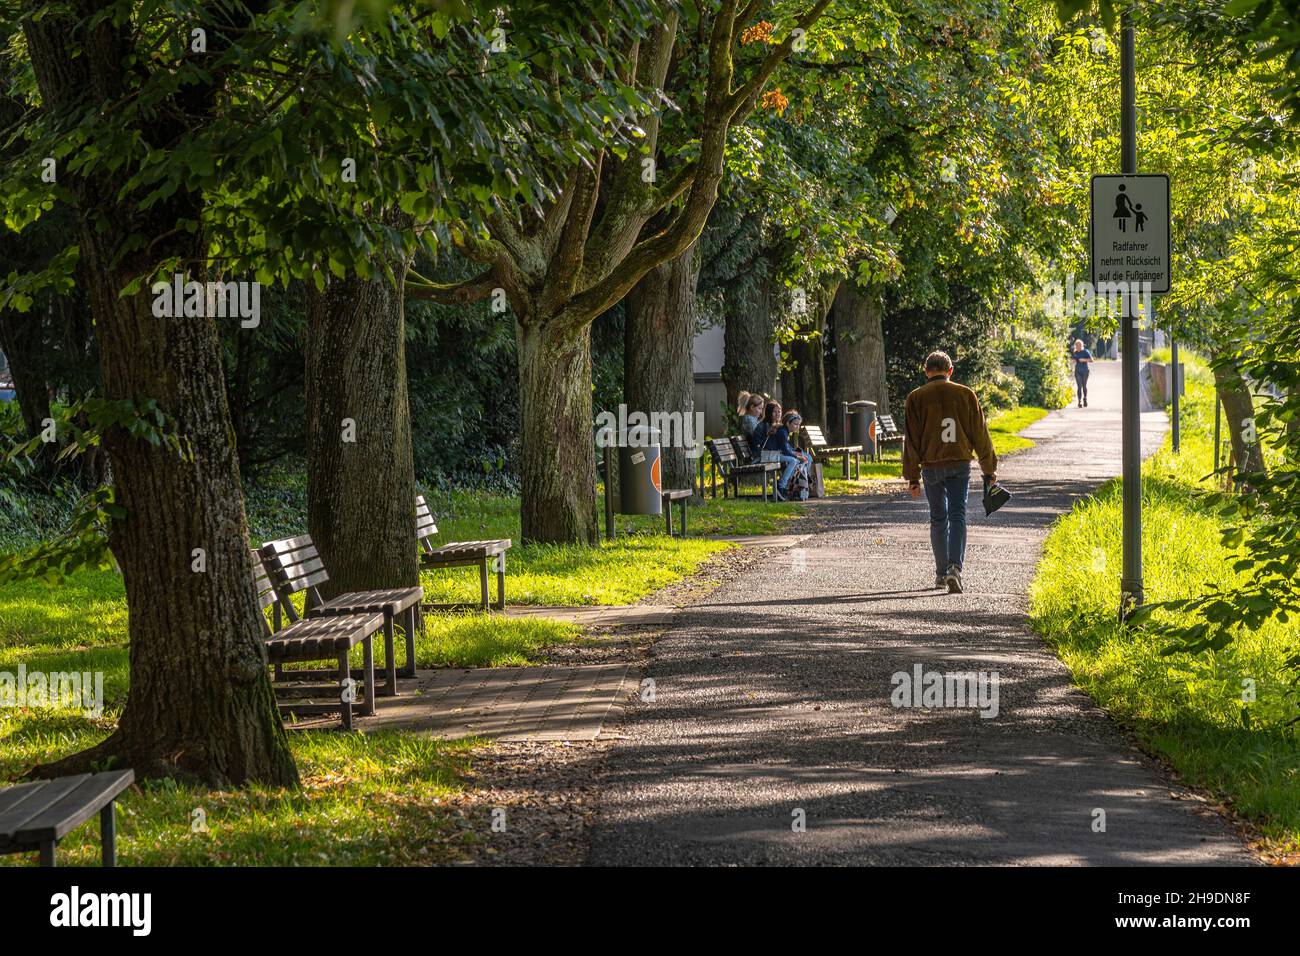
[(1187, 708), (366, 800)]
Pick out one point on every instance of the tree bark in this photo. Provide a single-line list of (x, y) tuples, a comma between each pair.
[(24, 345), (200, 705), (658, 332), (749, 360), (558, 461), (1239, 412), (803, 384), (360, 469), (859, 347)]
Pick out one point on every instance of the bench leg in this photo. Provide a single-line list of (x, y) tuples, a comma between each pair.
[(345, 704), (857, 465), (501, 581), (668, 517), (413, 613), (846, 466), (368, 675), (390, 660), (108, 835), (483, 583), (683, 504), (47, 852)]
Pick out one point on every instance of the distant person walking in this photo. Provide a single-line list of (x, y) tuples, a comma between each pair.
[(945, 430), (1081, 358)]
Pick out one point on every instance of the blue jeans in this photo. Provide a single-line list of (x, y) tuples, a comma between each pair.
[(946, 488), (788, 464)]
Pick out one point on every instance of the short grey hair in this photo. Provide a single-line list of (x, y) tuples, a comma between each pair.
[(938, 362)]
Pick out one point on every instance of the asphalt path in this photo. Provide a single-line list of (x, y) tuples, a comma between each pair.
[(773, 735)]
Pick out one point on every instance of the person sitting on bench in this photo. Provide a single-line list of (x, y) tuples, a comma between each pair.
[(749, 408), (773, 435)]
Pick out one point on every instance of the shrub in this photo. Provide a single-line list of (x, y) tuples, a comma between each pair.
[(1041, 365), (998, 392)]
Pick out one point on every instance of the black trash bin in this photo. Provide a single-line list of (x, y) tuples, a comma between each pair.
[(858, 420)]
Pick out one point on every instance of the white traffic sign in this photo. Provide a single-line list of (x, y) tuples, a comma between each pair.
[(1129, 226)]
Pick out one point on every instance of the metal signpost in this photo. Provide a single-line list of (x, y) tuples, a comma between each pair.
[(1131, 253)]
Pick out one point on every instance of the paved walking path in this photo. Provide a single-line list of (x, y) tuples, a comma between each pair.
[(774, 698)]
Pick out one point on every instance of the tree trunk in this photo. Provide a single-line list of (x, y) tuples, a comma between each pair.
[(360, 469), (803, 385), (658, 332), (859, 347), (558, 461), (749, 360), (24, 345), (200, 704), (1239, 413)]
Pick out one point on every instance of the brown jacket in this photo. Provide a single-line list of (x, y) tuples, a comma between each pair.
[(945, 424)]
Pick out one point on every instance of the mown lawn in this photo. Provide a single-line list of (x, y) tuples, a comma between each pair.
[(366, 800), (1187, 708)]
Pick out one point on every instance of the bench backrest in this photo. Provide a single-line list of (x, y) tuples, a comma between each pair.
[(887, 425), (722, 451), (425, 529), (743, 448), (294, 565), (265, 589), (815, 437)]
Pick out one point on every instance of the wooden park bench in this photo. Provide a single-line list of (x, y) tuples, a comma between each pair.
[(458, 554), (886, 432), (819, 447), (295, 565), (318, 639), (727, 462), (36, 816)]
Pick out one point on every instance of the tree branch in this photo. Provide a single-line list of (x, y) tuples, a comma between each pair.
[(450, 293)]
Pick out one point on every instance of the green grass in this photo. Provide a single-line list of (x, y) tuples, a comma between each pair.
[(1187, 708), (366, 800), (1005, 428), (640, 560)]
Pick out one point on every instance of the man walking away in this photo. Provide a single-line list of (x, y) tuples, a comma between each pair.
[(945, 429)]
